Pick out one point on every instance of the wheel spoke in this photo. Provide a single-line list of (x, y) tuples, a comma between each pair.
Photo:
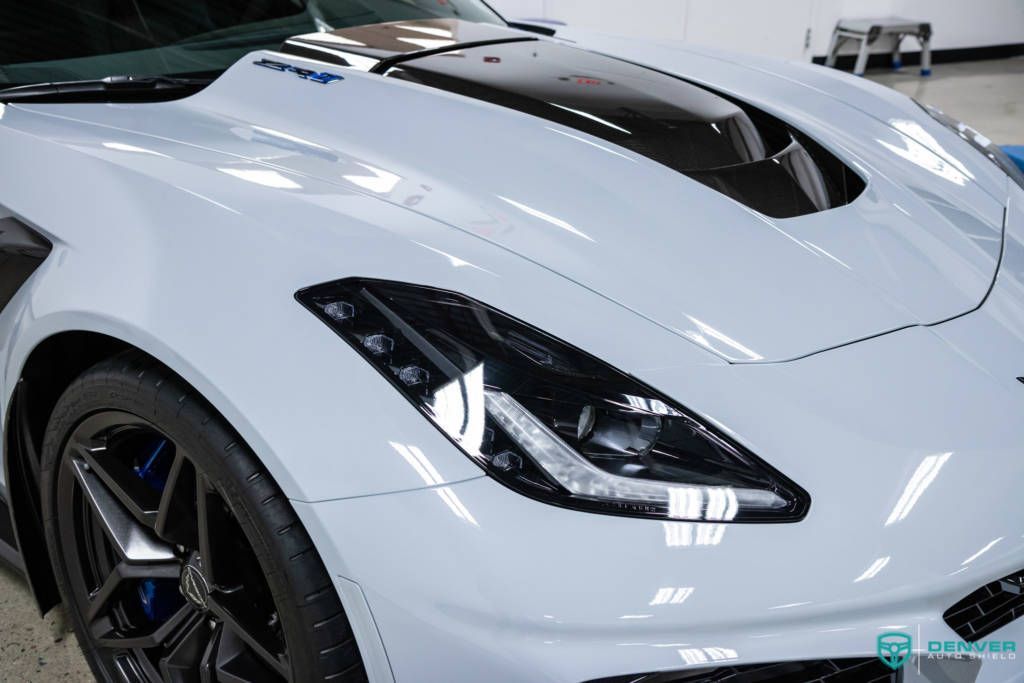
[(206, 553), (208, 663), (123, 572), (128, 490), (186, 654), (257, 636), (175, 520), (135, 542), (144, 641), (167, 497)]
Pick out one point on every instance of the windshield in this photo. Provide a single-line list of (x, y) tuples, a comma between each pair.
[(43, 41)]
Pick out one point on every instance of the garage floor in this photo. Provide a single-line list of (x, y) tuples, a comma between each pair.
[(34, 649), (988, 95)]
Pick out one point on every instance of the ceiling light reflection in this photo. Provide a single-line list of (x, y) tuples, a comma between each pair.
[(922, 478), (827, 255), (419, 462), (981, 552), (455, 261), (652, 405), (547, 218), (340, 40), (122, 147), (685, 534), (915, 130), (872, 571), (671, 596), (426, 43), (458, 409), (207, 199), (380, 182), (262, 176), (588, 115), (427, 30), (705, 331), (921, 156), (592, 144), (705, 655), (431, 477), (455, 505)]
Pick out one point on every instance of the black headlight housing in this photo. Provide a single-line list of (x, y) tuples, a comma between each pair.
[(547, 419)]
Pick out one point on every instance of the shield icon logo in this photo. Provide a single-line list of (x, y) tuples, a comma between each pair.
[(894, 649)]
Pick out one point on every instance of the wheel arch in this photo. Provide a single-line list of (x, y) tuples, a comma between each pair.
[(48, 370)]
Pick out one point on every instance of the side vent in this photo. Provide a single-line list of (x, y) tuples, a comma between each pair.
[(988, 609), (22, 250)]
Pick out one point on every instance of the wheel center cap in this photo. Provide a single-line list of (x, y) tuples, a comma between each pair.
[(194, 587)]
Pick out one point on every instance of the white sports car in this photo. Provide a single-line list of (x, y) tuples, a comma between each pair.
[(387, 340)]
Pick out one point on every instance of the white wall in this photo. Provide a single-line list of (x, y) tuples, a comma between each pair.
[(779, 27)]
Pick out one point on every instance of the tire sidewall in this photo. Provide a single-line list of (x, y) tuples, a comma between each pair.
[(171, 409)]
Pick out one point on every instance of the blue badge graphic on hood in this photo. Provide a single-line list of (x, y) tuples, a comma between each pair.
[(316, 76)]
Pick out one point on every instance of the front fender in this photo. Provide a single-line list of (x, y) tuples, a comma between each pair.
[(194, 257)]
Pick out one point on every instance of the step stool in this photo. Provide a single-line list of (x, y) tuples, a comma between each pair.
[(867, 31)]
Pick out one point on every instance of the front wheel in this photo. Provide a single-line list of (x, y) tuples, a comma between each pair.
[(177, 557)]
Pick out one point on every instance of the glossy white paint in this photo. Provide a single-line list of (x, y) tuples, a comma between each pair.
[(913, 509), (185, 228), (716, 273)]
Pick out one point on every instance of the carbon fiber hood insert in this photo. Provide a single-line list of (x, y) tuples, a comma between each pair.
[(728, 145)]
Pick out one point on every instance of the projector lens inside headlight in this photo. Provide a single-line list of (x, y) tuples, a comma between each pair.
[(547, 419)]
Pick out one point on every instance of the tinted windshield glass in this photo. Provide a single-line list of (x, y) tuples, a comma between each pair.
[(64, 40)]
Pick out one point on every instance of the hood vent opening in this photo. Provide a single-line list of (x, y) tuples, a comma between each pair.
[(728, 145)]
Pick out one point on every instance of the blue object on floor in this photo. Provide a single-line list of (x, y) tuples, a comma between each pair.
[(1016, 152)]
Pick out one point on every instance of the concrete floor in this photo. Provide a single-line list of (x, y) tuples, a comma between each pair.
[(988, 95), (31, 648)]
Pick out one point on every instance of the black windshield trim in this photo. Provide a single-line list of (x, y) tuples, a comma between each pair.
[(111, 89)]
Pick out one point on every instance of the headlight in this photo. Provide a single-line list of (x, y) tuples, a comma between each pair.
[(547, 419), (978, 141)]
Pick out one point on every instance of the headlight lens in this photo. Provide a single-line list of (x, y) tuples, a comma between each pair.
[(978, 141), (547, 419)]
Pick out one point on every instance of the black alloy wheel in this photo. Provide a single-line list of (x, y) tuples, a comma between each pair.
[(178, 558)]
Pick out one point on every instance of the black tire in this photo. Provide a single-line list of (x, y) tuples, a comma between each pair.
[(130, 398)]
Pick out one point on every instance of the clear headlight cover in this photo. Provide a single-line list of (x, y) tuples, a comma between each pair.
[(992, 151), (547, 419)]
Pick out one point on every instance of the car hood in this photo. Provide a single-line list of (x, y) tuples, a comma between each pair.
[(918, 245)]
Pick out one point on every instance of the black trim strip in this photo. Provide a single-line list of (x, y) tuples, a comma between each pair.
[(385, 64), (865, 670), (533, 28)]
